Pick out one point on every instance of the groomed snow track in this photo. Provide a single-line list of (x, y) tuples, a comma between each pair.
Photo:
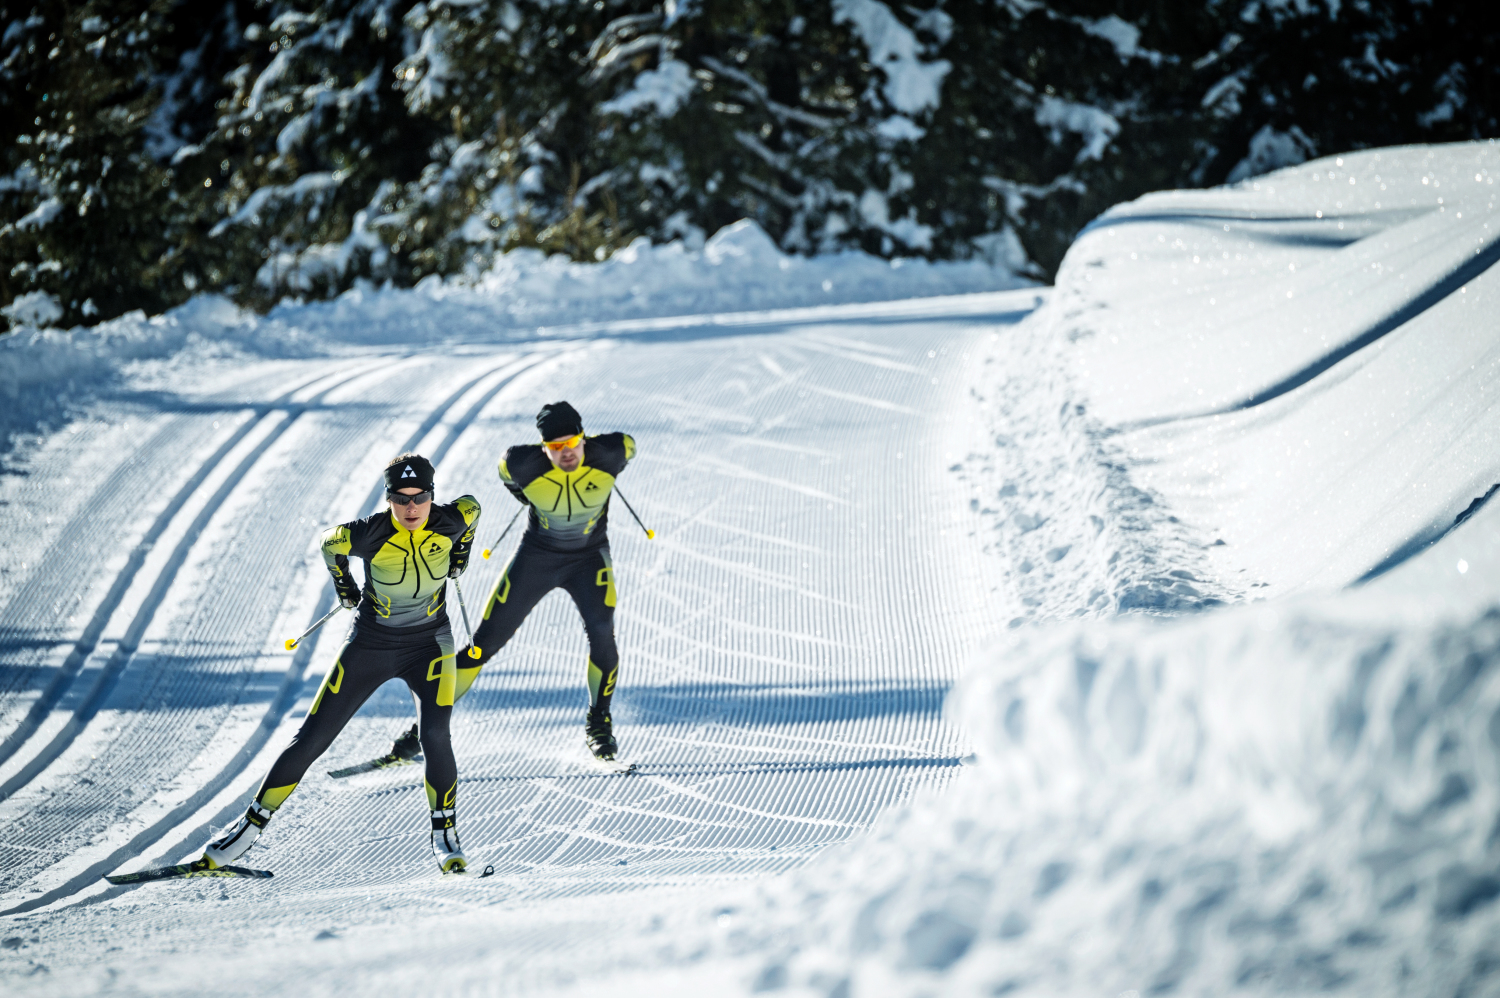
[(787, 639)]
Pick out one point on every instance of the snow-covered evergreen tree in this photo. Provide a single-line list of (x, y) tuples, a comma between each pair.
[(310, 138), (78, 237), (272, 147)]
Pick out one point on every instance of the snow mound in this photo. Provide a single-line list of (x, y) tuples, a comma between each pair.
[(1283, 798), (1287, 386)]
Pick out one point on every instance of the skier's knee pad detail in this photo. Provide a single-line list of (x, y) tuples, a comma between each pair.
[(444, 670), (606, 577), (499, 595), (331, 684)]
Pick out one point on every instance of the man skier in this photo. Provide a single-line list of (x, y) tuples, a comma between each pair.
[(401, 631), (565, 483)]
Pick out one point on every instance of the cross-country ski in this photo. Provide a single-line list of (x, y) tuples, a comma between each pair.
[(197, 868)]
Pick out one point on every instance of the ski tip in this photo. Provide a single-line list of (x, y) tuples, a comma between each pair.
[(488, 871)]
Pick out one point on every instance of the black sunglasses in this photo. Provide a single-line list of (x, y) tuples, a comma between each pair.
[(402, 500)]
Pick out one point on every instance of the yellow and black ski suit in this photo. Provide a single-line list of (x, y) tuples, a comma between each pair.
[(566, 546), (401, 632)]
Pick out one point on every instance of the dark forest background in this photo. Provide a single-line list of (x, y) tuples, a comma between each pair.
[(259, 149)]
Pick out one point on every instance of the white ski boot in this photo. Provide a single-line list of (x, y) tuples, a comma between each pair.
[(237, 839), (445, 845)]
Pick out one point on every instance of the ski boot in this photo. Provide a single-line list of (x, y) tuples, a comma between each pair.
[(599, 737), (235, 840), (445, 844), (407, 747)]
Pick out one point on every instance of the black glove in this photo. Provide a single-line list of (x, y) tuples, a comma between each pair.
[(348, 592), (458, 559)]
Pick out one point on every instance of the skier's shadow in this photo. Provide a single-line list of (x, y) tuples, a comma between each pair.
[(671, 769)]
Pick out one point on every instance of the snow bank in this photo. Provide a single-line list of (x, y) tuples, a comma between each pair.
[(43, 371), (1282, 798), (1285, 386), (1312, 375), (738, 269)]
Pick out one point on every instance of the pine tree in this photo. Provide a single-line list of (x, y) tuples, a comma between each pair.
[(309, 140), (78, 186), (1327, 76), (271, 147)]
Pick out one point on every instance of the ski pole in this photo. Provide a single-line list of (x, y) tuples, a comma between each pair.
[(512, 523), (649, 532), (292, 642), (473, 648)]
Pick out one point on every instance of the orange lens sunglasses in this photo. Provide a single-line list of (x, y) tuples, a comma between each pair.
[(572, 441)]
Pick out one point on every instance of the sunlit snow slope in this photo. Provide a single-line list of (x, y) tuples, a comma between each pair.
[(1286, 389), (787, 639)]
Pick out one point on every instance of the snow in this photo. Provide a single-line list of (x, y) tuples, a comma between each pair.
[(267, 197), (876, 211), (34, 308), (1124, 36), (664, 88), (1096, 127), (898, 127), (1271, 150), (428, 72), (1143, 641), (912, 85), (737, 270), (41, 216)]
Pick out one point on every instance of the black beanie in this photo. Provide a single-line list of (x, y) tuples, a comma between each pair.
[(408, 471), (558, 419)]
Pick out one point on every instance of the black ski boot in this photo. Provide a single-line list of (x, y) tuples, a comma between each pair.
[(599, 737), (407, 747)]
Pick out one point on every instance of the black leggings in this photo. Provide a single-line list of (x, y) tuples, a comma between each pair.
[(588, 577), (371, 656)]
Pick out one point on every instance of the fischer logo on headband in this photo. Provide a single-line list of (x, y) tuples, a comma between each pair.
[(408, 471)]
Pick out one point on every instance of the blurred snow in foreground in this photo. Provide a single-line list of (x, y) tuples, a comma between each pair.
[(1291, 386)]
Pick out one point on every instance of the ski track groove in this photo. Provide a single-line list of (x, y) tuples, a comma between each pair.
[(64, 578), (155, 686), (93, 695), (783, 662)]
